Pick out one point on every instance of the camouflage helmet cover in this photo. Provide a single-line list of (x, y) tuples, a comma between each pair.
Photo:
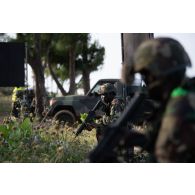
[(161, 57), (106, 88)]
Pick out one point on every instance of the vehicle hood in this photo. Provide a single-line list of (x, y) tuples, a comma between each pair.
[(70, 98)]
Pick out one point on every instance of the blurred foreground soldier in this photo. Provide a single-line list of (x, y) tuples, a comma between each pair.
[(162, 62), (112, 108)]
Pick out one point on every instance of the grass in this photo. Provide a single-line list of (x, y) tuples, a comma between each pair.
[(24, 141), (19, 142), (27, 142), (5, 106)]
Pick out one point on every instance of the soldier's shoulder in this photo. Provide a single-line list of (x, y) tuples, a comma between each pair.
[(181, 104)]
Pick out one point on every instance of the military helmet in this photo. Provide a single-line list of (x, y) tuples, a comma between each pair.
[(161, 57), (106, 88)]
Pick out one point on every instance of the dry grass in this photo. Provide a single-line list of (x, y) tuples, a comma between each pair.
[(5, 106), (20, 142), (23, 141), (49, 142)]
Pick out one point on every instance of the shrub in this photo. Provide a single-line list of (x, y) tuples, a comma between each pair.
[(20, 142)]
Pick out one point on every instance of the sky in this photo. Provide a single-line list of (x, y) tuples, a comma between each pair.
[(113, 57)]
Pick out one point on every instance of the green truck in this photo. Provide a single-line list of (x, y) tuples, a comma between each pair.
[(68, 108)]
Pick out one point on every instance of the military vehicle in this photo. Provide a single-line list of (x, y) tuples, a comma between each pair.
[(68, 108)]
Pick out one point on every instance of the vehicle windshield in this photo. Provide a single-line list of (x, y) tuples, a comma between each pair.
[(94, 90)]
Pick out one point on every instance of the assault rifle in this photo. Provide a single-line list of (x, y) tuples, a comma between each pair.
[(91, 115), (117, 132)]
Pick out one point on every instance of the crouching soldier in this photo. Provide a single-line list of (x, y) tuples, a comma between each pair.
[(112, 108)]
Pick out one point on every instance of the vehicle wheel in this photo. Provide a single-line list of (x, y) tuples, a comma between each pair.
[(65, 116)]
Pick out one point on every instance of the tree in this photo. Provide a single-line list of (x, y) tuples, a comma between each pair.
[(35, 54), (91, 58), (51, 59), (59, 85), (57, 62), (130, 42), (66, 55), (88, 57), (70, 43), (62, 59)]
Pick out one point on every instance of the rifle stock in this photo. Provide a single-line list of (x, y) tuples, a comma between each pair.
[(116, 131)]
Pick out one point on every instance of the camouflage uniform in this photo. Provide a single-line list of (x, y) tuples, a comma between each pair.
[(112, 109), (25, 95), (163, 62), (17, 93), (176, 139)]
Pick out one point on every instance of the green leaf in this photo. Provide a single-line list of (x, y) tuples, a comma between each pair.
[(5, 130), (26, 126), (83, 116)]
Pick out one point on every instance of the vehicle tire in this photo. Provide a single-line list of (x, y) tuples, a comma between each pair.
[(65, 116)]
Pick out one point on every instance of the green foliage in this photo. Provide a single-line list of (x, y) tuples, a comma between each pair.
[(65, 52), (92, 57), (26, 126), (83, 116), (20, 142), (59, 54), (89, 56)]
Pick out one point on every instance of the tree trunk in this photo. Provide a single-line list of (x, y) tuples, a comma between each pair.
[(39, 77), (130, 42), (86, 80), (59, 85), (39, 91), (72, 54)]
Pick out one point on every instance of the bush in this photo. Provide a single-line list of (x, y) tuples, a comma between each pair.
[(20, 142), (26, 142)]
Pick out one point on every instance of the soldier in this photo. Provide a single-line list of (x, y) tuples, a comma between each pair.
[(20, 96), (17, 93), (162, 62), (112, 108)]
